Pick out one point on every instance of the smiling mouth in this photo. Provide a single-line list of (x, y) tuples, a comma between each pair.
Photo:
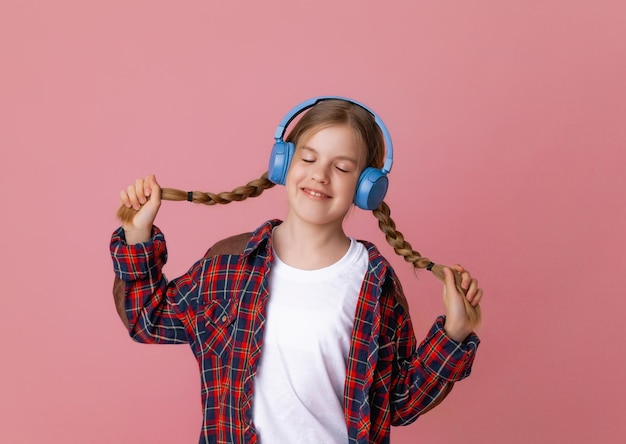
[(314, 193)]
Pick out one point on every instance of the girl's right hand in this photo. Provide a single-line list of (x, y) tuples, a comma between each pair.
[(145, 196)]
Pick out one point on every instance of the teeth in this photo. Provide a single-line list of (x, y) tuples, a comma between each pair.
[(316, 194)]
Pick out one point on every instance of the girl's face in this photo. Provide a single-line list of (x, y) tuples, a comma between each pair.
[(323, 175)]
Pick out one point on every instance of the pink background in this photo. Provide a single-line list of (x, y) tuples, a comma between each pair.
[(508, 125)]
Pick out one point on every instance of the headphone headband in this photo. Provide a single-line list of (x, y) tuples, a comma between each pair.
[(282, 126)]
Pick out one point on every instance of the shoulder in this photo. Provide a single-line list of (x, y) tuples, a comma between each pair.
[(387, 278), (233, 245), (244, 243), (378, 264)]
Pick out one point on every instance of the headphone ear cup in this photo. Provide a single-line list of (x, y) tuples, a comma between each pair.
[(280, 159), (371, 189)]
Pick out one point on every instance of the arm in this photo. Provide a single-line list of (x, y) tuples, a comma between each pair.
[(153, 309), (426, 374), (423, 375)]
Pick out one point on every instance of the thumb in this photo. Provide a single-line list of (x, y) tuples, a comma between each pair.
[(457, 325), (153, 189), (145, 216), (151, 186), (449, 282)]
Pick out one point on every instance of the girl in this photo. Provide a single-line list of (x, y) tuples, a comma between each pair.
[(302, 334)]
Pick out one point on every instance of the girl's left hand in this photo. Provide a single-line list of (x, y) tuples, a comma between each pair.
[(457, 325)]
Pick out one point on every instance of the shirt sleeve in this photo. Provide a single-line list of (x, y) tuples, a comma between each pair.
[(426, 374), (157, 311), (444, 357)]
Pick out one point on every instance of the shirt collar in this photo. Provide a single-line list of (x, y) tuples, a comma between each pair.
[(261, 236)]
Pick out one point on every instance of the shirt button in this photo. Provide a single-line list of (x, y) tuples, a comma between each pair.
[(224, 318)]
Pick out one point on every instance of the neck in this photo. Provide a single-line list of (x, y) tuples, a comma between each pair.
[(309, 247)]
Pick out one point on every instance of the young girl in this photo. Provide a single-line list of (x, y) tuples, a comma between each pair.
[(302, 334)]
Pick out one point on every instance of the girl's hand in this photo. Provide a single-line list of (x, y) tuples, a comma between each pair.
[(457, 325), (145, 196)]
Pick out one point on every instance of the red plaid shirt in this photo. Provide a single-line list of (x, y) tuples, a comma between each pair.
[(218, 308)]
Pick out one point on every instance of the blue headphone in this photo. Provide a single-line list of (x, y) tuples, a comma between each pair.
[(373, 183)]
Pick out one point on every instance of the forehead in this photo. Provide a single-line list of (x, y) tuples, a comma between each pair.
[(339, 140)]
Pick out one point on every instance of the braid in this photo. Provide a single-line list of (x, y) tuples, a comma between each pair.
[(404, 249), (252, 189), (396, 239)]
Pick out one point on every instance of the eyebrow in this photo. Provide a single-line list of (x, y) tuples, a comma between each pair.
[(348, 158)]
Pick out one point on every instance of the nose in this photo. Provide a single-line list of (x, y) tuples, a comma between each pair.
[(320, 174)]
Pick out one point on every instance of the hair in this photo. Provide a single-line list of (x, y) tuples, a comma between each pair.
[(324, 114)]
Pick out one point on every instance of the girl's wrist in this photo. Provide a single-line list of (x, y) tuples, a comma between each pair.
[(137, 235), (456, 333)]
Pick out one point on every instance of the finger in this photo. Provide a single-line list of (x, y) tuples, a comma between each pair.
[(470, 294), (450, 285), (140, 190), (466, 278), (151, 184), (154, 190), (125, 199), (132, 196), (476, 300), (458, 268)]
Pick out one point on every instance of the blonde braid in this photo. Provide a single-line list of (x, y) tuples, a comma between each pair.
[(251, 189), (404, 249)]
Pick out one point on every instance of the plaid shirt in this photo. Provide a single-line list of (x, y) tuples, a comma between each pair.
[(218, 308)]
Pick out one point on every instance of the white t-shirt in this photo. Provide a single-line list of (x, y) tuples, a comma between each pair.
[(298, 394)]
